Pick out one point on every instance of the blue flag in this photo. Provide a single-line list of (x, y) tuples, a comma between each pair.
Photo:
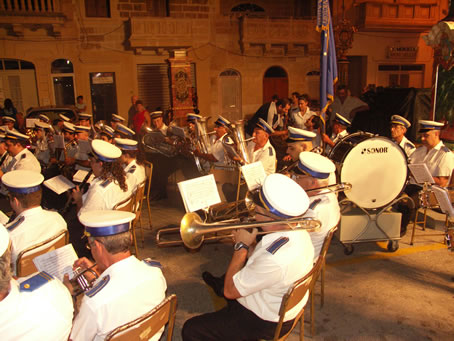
[(328, 64)]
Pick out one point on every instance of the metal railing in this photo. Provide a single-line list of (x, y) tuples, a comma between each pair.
[(30, 7)]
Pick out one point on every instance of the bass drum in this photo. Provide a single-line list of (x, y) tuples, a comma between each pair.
[(374, 165)]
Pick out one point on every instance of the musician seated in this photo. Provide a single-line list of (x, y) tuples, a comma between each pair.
[(59, 123), (107, 134), (399, 127), (22, 158), (5, 157), (9, 122), (259, 149), (316, 172), (221, 127), (85, 119), (115, 120), (123, 132), (255, 286), (109, 187), (157, 122), (82, 133), (36, 308), (126, 288), (191, 118), (340, 125), (299, 140), (44, 118), (132, 160), (32, 224), (42, 152), (315, 124)]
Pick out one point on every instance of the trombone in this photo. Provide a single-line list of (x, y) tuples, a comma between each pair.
[(193, 230)]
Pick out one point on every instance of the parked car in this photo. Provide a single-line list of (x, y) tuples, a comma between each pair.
[(52, 112)]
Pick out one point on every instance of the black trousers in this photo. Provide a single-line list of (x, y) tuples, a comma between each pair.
[(232, 323)]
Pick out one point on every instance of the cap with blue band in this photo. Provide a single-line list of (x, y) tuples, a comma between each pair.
[(117, 118), (106, 222), (429, 125), (342, 120), (316, 165), (192, 116), (15, 135), (299, 135), (124, 130), (222, 121), (397, 119), (22, 181), (126, 144), (264, 126), (105, 151)]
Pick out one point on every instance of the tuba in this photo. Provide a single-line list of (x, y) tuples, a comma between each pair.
[(203, 143), (235, 144), (156, 142)]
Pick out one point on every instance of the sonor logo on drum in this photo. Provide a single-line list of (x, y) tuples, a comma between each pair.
[(380, 150)]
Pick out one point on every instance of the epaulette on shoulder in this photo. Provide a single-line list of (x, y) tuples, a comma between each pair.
[(98, 287), (106, 183), (36, 281), (277, 244), (151, 262), (445, 149), (270, 151), (15, 224)]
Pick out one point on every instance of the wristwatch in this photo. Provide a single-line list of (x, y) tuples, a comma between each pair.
[(240, 245)]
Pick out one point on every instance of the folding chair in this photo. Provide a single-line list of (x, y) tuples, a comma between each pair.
[(24, 261), (295, 294), (127, 205), (146, 194), (138, 201), (321, 274), (144, 327)]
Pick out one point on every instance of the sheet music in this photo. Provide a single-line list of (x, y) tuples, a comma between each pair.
[(254, 174), (199, 193), (59, 141), (3, 218), (444, 201), (57, 262), (80, 175), (59, 184), (30, 122), (421, 173)]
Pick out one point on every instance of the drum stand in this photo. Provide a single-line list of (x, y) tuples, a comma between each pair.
[(372, 228)]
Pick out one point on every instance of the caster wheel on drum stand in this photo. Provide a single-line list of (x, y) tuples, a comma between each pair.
[(393, 245), (348, 249)]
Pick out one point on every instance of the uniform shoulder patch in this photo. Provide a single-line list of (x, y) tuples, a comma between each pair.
[(106, 183), (277, 244), (36, 281), (98, 287), (446, 149), (270, 151), (315, 203), (151, 262), (132, 169), (15, 224)]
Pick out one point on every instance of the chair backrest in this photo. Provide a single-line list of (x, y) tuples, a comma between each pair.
[(126, 205), (24, 261), (144, 327), (294, 296), (327, 242), (149, 172), (139, 199)]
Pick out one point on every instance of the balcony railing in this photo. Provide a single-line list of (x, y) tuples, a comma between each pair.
[(29, 7)]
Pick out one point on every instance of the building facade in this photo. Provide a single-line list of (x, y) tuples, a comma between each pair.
[(223, 56)]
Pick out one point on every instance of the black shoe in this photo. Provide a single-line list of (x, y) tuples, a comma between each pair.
[(216, 283)]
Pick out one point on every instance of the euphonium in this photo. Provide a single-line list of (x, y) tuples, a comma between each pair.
[(203, 144), (239, 147)]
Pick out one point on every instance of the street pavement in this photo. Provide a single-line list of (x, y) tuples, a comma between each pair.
[(372, 294)]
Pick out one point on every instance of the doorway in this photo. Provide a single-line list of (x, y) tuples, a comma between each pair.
[(103, 95), (275, 82)]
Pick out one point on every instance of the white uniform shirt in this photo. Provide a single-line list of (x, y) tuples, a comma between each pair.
[(42, 152), (217, 149), (44, 313), (135, 175), (439, 160), (24, 160), (407, 146), (6, 159), (299, 118), (278, 261), (125, 291), (31, 227), (266, 155), (328, 212), (102, 195)]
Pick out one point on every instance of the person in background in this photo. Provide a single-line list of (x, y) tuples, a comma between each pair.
[(346, 105), (300, 117), (8, 108), (315, 124), (141, 118), (294, 106), (80, 105), (132, 111)]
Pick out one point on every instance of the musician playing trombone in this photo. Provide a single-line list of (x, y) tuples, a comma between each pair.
[(299, 140), (254, 287)]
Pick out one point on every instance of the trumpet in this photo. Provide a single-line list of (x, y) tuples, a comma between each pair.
[(80, 283), (193, 230)]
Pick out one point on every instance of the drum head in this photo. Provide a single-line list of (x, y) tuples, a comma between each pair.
[(377, 170)]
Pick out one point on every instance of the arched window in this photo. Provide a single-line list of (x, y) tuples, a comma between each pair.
[(275, 82), (230, 94), (63, 82)]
